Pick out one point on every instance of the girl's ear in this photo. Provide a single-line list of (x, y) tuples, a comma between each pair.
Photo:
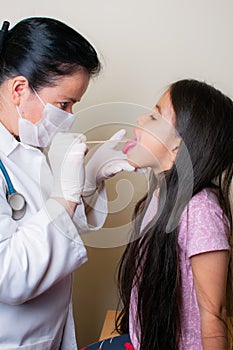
[(175, 149), (18, 89)]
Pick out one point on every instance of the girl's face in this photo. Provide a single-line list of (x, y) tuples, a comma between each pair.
[(156, 141)]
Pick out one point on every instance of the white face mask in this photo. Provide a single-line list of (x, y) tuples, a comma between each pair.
[(40, 134)]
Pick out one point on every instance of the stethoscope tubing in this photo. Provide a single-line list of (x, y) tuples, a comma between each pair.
[(10, 186)]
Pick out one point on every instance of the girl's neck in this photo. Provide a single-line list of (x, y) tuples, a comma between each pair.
[(156, 192), (159, 179)]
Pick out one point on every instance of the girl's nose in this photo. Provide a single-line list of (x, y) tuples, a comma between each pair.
[(141, 119)]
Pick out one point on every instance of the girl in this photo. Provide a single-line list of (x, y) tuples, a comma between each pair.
[(174, 274)]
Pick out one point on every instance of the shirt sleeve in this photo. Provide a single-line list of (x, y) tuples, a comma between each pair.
[(203, 226), (37, 253), (97, 215)]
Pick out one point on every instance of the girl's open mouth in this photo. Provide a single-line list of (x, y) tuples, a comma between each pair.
[(129, 145)]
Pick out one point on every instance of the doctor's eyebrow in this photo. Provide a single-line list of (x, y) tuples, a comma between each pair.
[(68, 98), (72, 99)]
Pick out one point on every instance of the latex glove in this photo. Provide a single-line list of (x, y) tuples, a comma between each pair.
[(106, 162), (66, 157)]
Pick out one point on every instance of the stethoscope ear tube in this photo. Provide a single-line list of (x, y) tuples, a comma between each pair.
[(15, 199)]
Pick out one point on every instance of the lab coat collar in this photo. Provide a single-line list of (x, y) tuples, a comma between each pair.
[(7, 141)]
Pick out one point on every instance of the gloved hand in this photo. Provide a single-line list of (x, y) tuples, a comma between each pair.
[(66, 157), (105, 163)]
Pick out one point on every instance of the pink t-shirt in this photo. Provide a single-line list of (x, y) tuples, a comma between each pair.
[(203, 227)]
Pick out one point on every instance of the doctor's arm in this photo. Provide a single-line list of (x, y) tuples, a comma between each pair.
[(37, 253), (66, 158), (45, 246), (105, 162), (210, 272)]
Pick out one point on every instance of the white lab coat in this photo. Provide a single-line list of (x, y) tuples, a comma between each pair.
[(38, 255)]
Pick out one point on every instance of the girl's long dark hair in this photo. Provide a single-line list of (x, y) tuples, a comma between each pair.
[(204, 120), (43, 49)]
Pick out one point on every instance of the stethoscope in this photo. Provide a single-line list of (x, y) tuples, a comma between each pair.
[(15, 199)]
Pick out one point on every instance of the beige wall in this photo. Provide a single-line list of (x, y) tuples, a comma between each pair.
[(144, 45)]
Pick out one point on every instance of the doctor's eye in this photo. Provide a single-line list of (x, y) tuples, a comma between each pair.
[(63, 105)]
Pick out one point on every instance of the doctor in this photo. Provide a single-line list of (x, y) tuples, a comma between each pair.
[(45, 67)]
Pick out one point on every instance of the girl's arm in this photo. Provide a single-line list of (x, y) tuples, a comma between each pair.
[(210, 279)]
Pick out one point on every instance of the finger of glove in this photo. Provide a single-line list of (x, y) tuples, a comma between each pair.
[(141, 170), (68, 137), (62, 141), (107, 149), (68, 162), (118, 135), (127, 167), (108, 172), (103, 159), (111, 169), (123, 164), (114, 139), (120, 165), (73, 164), (76, 150)]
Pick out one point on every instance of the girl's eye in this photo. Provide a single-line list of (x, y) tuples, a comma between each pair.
[(153, 117)]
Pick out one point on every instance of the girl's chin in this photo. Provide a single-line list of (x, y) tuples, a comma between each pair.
[(135, 164)]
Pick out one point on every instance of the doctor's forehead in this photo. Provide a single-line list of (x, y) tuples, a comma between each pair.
[(70, 87)]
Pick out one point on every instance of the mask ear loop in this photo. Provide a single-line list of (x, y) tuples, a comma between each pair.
[(38, 96)]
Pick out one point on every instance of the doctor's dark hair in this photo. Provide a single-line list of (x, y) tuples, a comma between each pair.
[(44, 49), (204, 120)]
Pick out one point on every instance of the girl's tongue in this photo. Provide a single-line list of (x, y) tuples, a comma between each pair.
[(129, 145)]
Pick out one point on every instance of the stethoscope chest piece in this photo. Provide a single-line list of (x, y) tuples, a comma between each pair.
[(15, 199), (17, 204)]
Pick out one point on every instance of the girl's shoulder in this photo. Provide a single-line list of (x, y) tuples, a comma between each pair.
[(207, 198), (203, 207), (203, 225)]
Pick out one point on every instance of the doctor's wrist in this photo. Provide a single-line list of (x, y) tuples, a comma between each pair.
[(89, 193), (68, 205)]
